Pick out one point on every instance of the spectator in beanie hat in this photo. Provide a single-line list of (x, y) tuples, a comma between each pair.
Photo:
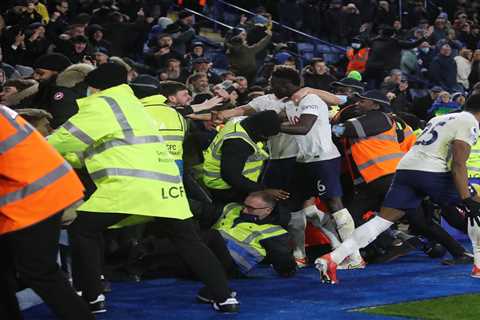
[(47, 68), (96, 38), (49, 65), (101, 55), (203, 64), (80, 50), (106, 76), (132, 73)]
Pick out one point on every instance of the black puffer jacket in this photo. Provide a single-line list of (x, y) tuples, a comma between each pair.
[(385, 52)]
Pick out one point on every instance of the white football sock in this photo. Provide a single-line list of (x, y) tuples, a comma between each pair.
[(474, 235), (345, 227), (360, 238), (345, 224)]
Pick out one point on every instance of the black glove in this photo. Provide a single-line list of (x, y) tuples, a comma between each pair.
[(473, 211)]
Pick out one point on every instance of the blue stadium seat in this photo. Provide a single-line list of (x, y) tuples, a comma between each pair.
[(306, 51), (329, 53), (418, 93), (305, 47), (219, 60)]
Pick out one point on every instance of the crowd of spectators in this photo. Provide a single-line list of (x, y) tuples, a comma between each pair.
[(426, 61), (427, 47), (430, 45)]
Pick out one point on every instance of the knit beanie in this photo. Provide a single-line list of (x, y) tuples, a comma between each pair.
[(145, 86), (106, 76), (52, 61)]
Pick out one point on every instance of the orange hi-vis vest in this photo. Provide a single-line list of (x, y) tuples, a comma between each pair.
[(377, 156), (409, 138), (201, 3), (35, 181), (357, 61)]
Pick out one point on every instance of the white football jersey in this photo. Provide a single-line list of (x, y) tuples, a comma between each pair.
[(432, 151), (317, 144), (281, 146)]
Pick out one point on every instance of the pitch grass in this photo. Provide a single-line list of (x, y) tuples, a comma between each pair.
[(462, 307)]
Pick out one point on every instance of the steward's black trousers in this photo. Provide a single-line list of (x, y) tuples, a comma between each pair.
[(85, 236), (32, 253)]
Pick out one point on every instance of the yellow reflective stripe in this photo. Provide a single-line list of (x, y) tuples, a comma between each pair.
[(266, 232), (131, 140), (136, 173), (474, 169), (211, 174), (172, 138), (374, 161), (236, 134), (252, 170), (37, 185), (78, 133), (244, 172), (228, 208), (119, 115), (216, 148)]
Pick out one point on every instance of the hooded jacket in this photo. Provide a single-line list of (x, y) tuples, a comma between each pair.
[(443, 72), (242, 56), (23, 98), (385, 52), (69, 87)]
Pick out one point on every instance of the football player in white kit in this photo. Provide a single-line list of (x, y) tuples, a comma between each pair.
[(318, 160), (436, 167), (283, 151)]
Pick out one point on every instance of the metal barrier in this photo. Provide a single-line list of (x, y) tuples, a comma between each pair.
[(283, 26), (215, 21), (312, 46)]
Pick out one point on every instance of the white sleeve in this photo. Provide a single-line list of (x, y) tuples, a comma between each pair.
[(467, 131), (312, 104), (259, 103)]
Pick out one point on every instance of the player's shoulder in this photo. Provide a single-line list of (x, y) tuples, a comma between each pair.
[(311, 99), (457, 116), (265, 97), (466, 117), (264, 101)]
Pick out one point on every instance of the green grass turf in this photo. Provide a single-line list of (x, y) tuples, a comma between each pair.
[(462, 307)]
